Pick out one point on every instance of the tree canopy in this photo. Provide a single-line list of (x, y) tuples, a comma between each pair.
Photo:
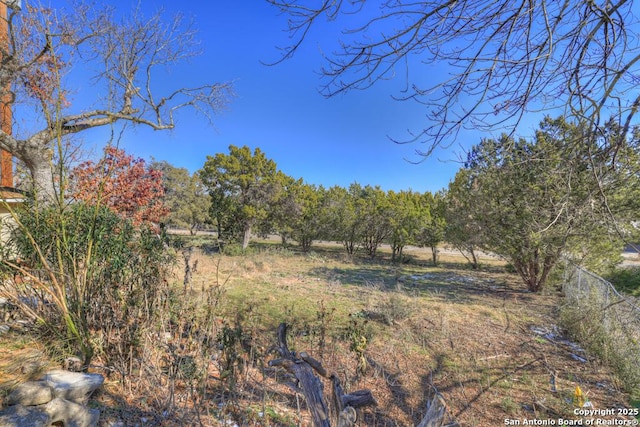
[(122, 183), (533, 201), (242, 186), (186, 199)]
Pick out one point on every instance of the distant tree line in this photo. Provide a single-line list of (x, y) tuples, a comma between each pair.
[(532, 202), (249, 195)]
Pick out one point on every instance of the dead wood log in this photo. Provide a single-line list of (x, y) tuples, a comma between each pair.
[(302, 367), (346, 404), (308, 382), (436, 413)]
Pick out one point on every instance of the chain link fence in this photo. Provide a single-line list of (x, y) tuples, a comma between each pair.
[(604, 321)]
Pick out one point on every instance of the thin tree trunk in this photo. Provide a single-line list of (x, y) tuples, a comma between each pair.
[(306, 243), (475, 265), (396, 252), (349, 245), (219, 228), (247, 237)]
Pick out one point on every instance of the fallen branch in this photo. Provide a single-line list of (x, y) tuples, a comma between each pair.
[(304, 368), (436, 411)]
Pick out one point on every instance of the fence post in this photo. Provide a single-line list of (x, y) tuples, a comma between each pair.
[(580, 279)]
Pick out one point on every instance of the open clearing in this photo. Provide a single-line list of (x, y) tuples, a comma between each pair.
[(488, 346)]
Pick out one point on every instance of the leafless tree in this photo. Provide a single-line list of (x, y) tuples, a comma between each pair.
[(120, 59), (505, 58)]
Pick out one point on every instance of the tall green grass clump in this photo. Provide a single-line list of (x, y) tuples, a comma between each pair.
[(89, 279)]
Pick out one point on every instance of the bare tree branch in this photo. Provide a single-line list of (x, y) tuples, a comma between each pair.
[(505, 58), (126, 56)]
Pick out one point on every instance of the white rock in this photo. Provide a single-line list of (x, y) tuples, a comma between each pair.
[(21, 416), (74, 386), (31, 393), (71, 414)]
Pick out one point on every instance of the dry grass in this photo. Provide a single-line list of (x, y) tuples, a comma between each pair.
[(466, 333), (21, 359)]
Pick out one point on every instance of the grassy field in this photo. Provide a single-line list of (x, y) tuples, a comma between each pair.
[(402, 331)]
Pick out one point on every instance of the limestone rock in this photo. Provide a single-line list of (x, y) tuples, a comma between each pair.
[(73, 386), (59, 397), (71, 414), (33, 367), (22, 416), (31, 393)]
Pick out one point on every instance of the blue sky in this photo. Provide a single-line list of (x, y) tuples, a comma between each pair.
[(333, 141)]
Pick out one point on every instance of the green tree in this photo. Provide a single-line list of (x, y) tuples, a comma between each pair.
[(185, 197), (533, 201), (242, 185), (283, 208), (462, 229), (605, 188), (432, 232), (373, 213), (407, 215), (341, 217), (527, 214), (308, 223)]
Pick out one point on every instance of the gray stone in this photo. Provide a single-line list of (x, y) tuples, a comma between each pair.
[(74, 386), (71, 414), (31, 368), (41, 403), (22, 416), (31, 393), (4, 329)]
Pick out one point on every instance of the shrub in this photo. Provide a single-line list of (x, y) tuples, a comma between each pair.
[(96, 280), (393, 309), (235, 249)]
